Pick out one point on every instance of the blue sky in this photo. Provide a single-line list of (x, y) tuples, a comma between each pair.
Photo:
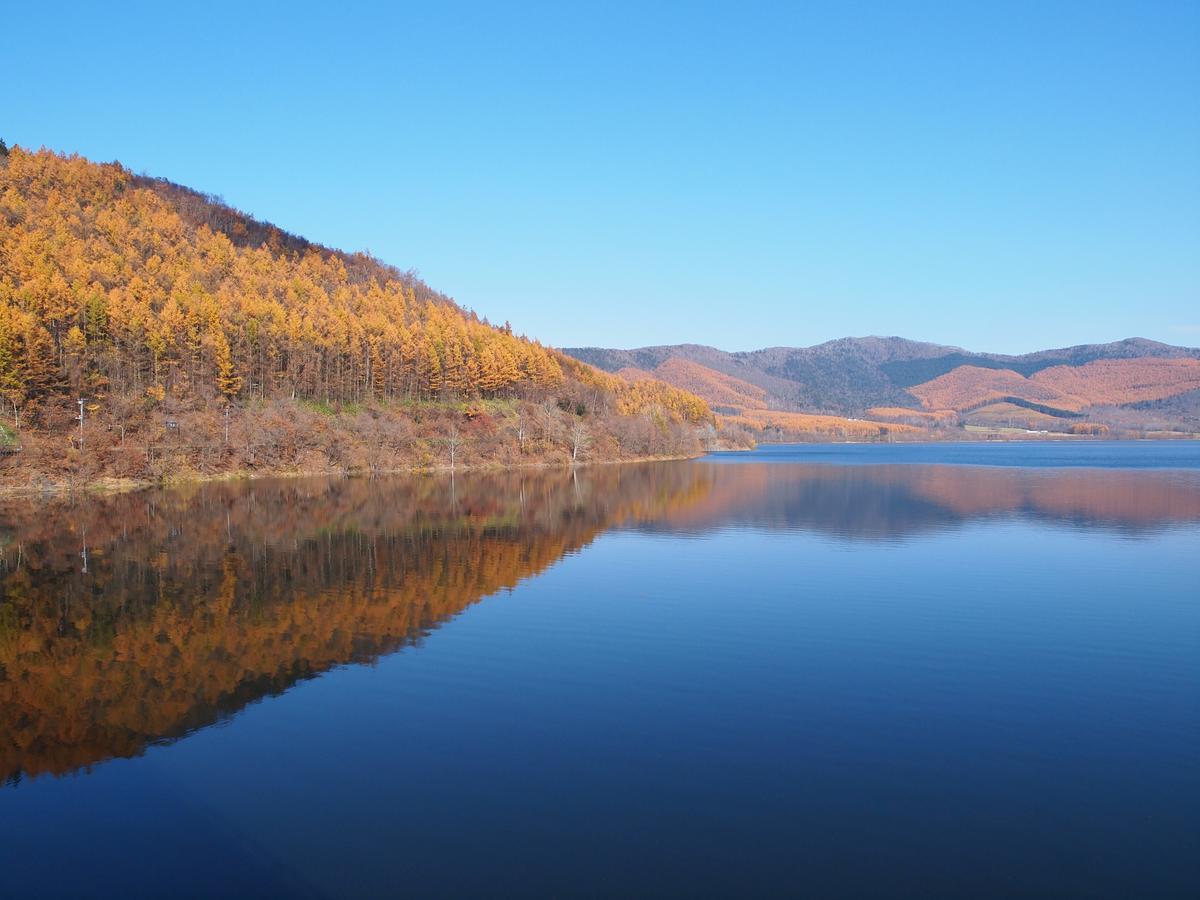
[(1001, 176)]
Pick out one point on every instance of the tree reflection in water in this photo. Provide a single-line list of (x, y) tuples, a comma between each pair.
[(134, 619)]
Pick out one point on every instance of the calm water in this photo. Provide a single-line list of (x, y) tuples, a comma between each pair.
[(806, 671)]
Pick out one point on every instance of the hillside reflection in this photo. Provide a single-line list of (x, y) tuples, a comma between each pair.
[(131, 620), (891, 502), (135, 619)]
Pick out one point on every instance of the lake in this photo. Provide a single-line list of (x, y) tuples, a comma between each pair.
[(861, 671)]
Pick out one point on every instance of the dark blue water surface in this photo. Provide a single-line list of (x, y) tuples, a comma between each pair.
[(866, 671)]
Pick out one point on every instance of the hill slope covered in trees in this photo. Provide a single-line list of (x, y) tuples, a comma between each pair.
[(201, 340), (1133, 386)]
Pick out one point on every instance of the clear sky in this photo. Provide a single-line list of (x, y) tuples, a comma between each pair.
[(1001, 176)]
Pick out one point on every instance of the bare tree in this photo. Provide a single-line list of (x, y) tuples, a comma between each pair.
[(581, 439), (550, 422), (520, 432), (454, 440)]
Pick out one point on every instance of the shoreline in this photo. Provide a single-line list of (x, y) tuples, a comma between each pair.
[(108, 486)]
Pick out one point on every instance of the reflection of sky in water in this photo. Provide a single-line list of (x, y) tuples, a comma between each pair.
[(1181, 454)]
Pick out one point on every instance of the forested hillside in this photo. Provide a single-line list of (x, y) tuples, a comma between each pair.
[(1064, 388), (201, 339), (890, 387)]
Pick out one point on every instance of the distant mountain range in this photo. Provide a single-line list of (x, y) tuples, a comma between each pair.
[(1130, 385)]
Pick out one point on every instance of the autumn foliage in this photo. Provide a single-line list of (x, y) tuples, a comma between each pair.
[(1136, 387), (106, 286), (817, 427), (1109, 382), (715, 387), (139, 294), (969, 387), (902, 415), (743, 408), (1114, 382)]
